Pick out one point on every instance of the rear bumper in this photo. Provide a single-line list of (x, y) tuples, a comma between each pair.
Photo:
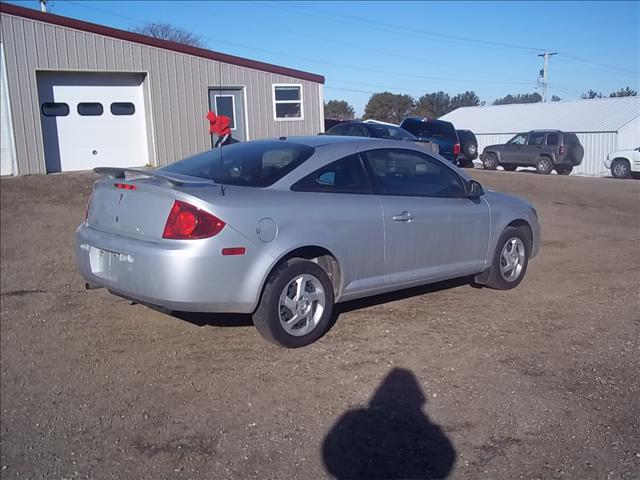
[(184, 275)]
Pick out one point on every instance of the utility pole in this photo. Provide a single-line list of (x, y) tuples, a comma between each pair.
[(543, 73), (43, 6)]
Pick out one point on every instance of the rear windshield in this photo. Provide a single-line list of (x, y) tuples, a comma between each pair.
[(430, 129), (251, 164)]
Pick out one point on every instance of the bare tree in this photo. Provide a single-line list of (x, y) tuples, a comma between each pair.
[(166, 31)]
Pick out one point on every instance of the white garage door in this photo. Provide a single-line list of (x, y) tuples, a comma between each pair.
[(92, 120)]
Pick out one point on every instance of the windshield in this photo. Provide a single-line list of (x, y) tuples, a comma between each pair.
[(251, 164)]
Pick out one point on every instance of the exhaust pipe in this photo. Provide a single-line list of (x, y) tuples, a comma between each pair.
[(91, 286)]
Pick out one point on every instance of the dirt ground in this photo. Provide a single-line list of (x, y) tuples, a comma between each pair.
[(539, 382)]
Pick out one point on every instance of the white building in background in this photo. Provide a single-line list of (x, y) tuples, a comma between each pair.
[(602, 125)]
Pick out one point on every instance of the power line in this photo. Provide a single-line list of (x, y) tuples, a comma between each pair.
[(324, 62), (410, 32), (309, 12), (393, 54)]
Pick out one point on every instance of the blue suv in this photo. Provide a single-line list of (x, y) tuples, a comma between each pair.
[(436, 131)]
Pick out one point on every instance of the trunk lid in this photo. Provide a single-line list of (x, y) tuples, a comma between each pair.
[(139, 213)]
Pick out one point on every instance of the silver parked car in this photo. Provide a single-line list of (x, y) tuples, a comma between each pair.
[(284, 229)]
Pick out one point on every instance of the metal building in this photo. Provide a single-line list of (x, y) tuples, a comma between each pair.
[(602, 125), (77, 95)]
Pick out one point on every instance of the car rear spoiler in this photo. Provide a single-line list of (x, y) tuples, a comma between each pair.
[(178, 181)]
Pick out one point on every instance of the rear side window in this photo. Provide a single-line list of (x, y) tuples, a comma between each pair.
[(253, 164), (571, 139), (393, 133), (339, 129), (537, 138), (90, 109), (356, 130), (346, 175), (552, 139), (54, 109)]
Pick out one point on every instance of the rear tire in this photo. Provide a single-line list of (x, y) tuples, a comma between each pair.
[(490, 161), (620, 168), (544, 165), (510, 259), (510, 168), (565, 170), (297, 304)]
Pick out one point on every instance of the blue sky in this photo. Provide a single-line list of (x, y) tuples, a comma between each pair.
[(408, 47)]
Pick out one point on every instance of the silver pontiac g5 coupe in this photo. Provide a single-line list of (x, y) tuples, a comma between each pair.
[(284, 229)]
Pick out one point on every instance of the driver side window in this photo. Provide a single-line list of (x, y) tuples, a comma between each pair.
[(409, 173), (518, 139)]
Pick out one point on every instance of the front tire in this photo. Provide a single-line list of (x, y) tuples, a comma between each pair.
[(620, 168), (544, 165), (297, 304), (490, 161), (510, 260)]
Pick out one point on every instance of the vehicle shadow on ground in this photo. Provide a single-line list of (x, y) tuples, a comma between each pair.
[(401, 294), (215, 319), (241, 320), (391, 438)]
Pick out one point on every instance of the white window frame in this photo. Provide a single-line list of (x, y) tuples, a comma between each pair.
[(301, 102), (233, 106)]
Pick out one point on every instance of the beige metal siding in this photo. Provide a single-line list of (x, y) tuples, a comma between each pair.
[(178, 85)]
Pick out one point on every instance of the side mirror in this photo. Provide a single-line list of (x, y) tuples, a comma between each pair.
[(475, 189)]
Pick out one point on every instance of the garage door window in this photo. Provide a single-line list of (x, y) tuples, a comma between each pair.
[(51, 109), (287, 102), (123, 108), (90, 109)]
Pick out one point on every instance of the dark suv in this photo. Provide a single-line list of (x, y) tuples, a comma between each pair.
[(544, 149), (468, 147), (436, 131)]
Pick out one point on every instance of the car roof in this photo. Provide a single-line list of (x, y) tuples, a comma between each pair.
[(425, 120)]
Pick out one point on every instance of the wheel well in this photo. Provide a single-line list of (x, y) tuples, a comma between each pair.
[(621, 158), (527, 228), (323, 257)]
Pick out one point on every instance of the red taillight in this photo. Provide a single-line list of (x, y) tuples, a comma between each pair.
[(124, 186), (456, 149), (187, 222), (563, 150), (86, 210)]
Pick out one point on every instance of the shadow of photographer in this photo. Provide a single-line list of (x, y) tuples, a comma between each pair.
[(390, 439)]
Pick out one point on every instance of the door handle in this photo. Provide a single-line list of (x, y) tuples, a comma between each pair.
[(404, 216)]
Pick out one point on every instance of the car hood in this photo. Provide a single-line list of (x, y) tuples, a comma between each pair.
[(493, 147)]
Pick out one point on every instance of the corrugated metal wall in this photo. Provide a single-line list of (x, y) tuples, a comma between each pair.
[(596, 147), (629, 135), (178, 85)]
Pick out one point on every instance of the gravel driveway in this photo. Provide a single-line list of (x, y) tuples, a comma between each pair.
[(450, 381)]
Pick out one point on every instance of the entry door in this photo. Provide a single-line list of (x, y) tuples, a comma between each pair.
[(229, 102), (432, 231), (515, 149), (92, 120)]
